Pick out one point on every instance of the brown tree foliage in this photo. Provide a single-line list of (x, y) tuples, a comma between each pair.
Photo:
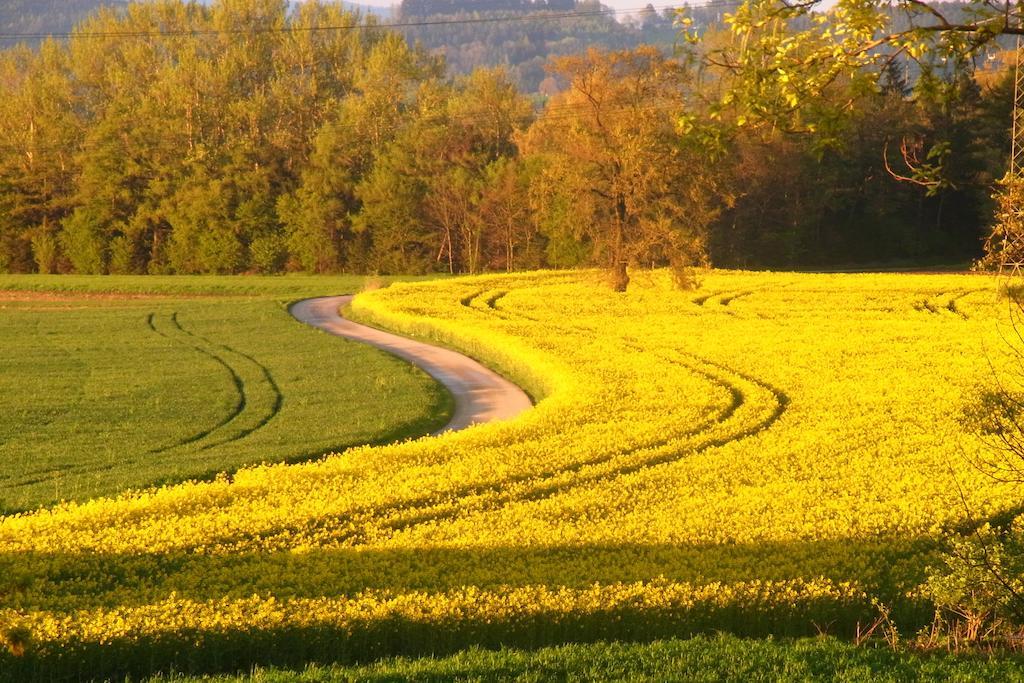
[(617, 170)]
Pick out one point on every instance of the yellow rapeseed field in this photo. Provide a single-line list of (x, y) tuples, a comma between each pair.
[(770, 453)]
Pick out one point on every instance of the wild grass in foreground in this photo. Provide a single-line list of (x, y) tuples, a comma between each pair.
[(712, 658)]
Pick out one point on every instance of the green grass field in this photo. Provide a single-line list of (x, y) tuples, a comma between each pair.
[(713, 658), (102, 392)]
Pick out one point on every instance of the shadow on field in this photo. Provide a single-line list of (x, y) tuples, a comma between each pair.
[(885, 568)]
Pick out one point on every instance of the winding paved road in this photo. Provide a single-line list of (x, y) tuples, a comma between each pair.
[(480, 394)]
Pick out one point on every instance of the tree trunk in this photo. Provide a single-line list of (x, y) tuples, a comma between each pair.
[(451, 250), (620, 278)]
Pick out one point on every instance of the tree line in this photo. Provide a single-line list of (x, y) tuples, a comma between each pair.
[(172, 138)]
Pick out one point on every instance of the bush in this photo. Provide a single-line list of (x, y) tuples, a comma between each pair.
[(979, 590), (82, 240), (44, 252), (268, 253)]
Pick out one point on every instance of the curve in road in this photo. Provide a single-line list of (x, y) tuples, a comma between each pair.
[(481, 395)]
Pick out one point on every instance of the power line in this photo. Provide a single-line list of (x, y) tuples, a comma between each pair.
[(256, 30)]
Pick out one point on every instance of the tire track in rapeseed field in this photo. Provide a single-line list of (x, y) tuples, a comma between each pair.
[(720, 298), (763, 411), (945, 303)]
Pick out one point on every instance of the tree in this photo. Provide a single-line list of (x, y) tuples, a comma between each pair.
[(838, 157), (511, 239), (778, 59), (39, 134), (319, 214), (350, 150), (423, 196), (617, 171), (481, 118)]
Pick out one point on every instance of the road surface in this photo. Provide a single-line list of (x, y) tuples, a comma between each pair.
[(481, 395)]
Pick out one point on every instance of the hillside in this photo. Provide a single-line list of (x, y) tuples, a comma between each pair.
[(521, 46), (473, 34), (60, 16), (47, 16)]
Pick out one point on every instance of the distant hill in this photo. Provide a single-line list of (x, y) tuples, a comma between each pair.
[(523, 47), (472, 33), (453, 28), (47, 16), (60, 16), (381, 12), (426, 8)]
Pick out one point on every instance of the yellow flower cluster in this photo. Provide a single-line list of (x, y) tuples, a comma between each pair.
[(765, 451), (361, 612)]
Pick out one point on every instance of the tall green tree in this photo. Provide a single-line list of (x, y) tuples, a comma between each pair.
[(423, 196), (39, 133), (318, 214)]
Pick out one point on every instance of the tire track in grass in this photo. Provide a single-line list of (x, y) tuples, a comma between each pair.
[(268, 379), (243, 409), (236, 382)]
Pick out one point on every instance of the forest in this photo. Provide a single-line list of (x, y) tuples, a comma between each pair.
[(169, 137)]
